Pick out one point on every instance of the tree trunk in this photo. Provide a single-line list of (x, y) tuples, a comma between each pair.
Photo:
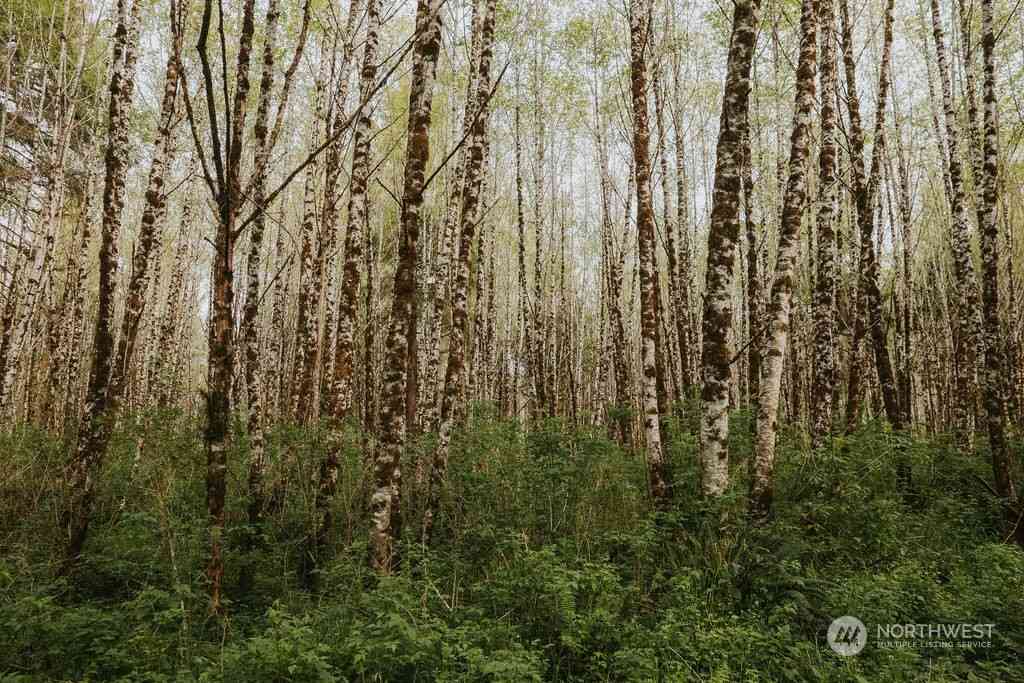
[(358, 208), (778, 313), (825, 277), (639, 33), (250, 315), (385, 503), (475, 166), (716, 357), (95, 428), (994, 361), (227, 192), (968, 320), (865, 189), (307, 331), (442, 274), (153, 217)]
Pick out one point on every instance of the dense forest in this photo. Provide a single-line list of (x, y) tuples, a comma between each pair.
[(511, 340)]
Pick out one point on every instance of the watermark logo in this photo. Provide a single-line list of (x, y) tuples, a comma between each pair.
[(933, 636), (847, 636)]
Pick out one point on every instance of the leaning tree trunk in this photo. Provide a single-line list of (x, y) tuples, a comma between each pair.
[(475, 166), (865, 189), (723, 237), (778, 313), (153, 217), (95, 429), (385, 502)]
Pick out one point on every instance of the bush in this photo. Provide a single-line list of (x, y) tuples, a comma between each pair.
[(547, 563)]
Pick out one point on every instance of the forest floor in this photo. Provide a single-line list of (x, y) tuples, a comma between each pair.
[(547, 564)]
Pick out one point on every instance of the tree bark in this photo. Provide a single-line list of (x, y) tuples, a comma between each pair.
[(153, 217), (95, 428), (865, 189), (385, 503), (455, 371), (825, 276), (344, 353), (778, 313), (639, 34), (994, 362), (722, 240), (968, 319)]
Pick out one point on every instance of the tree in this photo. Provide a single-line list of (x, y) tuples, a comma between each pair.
[(865, 191), (385, 502), (95, 430), (723, 236), (226, 189), (358, 207), (639, 35), (968, 310), (994, 361), (825, 275), (794, 202), (470, 215)]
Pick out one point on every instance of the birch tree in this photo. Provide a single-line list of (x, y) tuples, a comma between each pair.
[(723, 236)]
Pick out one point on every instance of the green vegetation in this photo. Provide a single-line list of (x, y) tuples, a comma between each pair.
[(547, 564)]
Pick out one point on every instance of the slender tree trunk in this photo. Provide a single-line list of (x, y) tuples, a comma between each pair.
[(220, 366), (683, 274), (8, 320), (475, 166), (755, 304), (723, 237), (525, 312), (369, 332), (442, 274), (150, 233), (250, 315), (825, 277), (778, 313), (162, 373), (968, 319), (358, 208), (538, 361), (343, 385), (639, 33), (329, 213), (385, 502), (307, 331), (994, 362), (865, 194), (676, 303), (95, 429), (76, 314)]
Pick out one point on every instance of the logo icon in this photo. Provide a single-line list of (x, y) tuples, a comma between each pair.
[(847, 636)]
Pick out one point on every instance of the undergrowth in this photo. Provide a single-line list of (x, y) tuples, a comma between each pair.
[(547, 563)]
